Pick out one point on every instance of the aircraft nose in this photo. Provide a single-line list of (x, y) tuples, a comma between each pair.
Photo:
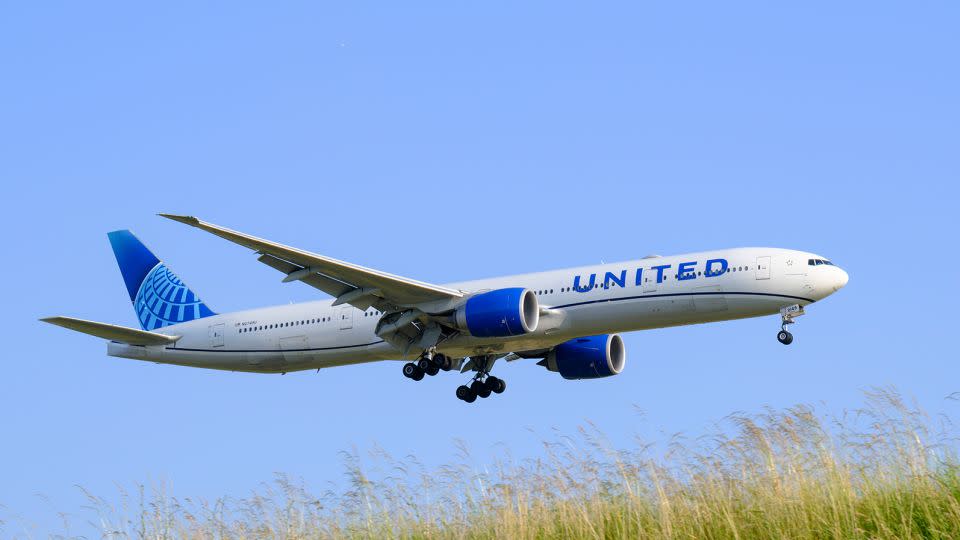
[(841, 279)]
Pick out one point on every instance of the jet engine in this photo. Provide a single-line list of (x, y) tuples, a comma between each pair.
[(500, 313), (590, 357)]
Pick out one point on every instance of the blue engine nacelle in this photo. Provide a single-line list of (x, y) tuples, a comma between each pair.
[(500, 313), (590, 357)]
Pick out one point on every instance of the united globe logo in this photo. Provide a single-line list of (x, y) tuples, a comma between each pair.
[(164, 300)]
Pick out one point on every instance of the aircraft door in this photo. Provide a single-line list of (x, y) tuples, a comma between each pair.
[(763, 267), (346, 317), (649, 280), (294, 348), (216, 332)]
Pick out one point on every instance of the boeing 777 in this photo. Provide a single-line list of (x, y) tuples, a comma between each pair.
[(568, 319)]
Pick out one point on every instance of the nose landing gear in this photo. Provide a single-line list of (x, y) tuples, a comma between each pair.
[(787, 315), (784, 337)]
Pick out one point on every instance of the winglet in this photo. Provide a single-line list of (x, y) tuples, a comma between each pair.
[(189, 220)]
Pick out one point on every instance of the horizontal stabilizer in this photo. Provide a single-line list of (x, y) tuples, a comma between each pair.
[(112, 331)]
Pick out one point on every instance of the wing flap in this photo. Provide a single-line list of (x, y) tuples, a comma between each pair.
[(327, 274), (333, 287), (112, 331)]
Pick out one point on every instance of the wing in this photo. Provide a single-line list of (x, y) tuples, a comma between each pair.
[(349, 283), (112, 331)]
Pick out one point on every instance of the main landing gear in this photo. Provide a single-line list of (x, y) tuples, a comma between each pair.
[(482, 386), (428, 364), (787, 315)]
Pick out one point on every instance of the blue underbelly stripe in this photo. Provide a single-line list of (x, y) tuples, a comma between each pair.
[(666, 295), (219, 350)]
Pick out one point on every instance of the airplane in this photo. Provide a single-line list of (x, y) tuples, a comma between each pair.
[(569, 319)]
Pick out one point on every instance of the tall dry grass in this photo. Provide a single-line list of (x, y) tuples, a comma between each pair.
[(884, 471)]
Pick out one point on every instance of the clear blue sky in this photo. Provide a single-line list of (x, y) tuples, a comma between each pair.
[(448, 142)]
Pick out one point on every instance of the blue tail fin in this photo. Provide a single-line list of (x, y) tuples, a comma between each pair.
[(159, 297)]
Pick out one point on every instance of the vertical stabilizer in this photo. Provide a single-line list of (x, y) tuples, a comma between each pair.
[(159, 297)]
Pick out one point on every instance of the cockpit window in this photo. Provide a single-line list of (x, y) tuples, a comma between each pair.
[(815, 262)]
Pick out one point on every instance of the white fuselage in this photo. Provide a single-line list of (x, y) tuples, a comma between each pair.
[(627, 296)]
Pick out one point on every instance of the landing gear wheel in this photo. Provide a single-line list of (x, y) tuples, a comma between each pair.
[(432, 370), (424, 363), (417, 374), (785, 337), (466, 394), (495, 384), (480, 389), (409, 369), (442, 361)]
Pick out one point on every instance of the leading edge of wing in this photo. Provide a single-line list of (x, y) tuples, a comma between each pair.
[(351, 273)]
